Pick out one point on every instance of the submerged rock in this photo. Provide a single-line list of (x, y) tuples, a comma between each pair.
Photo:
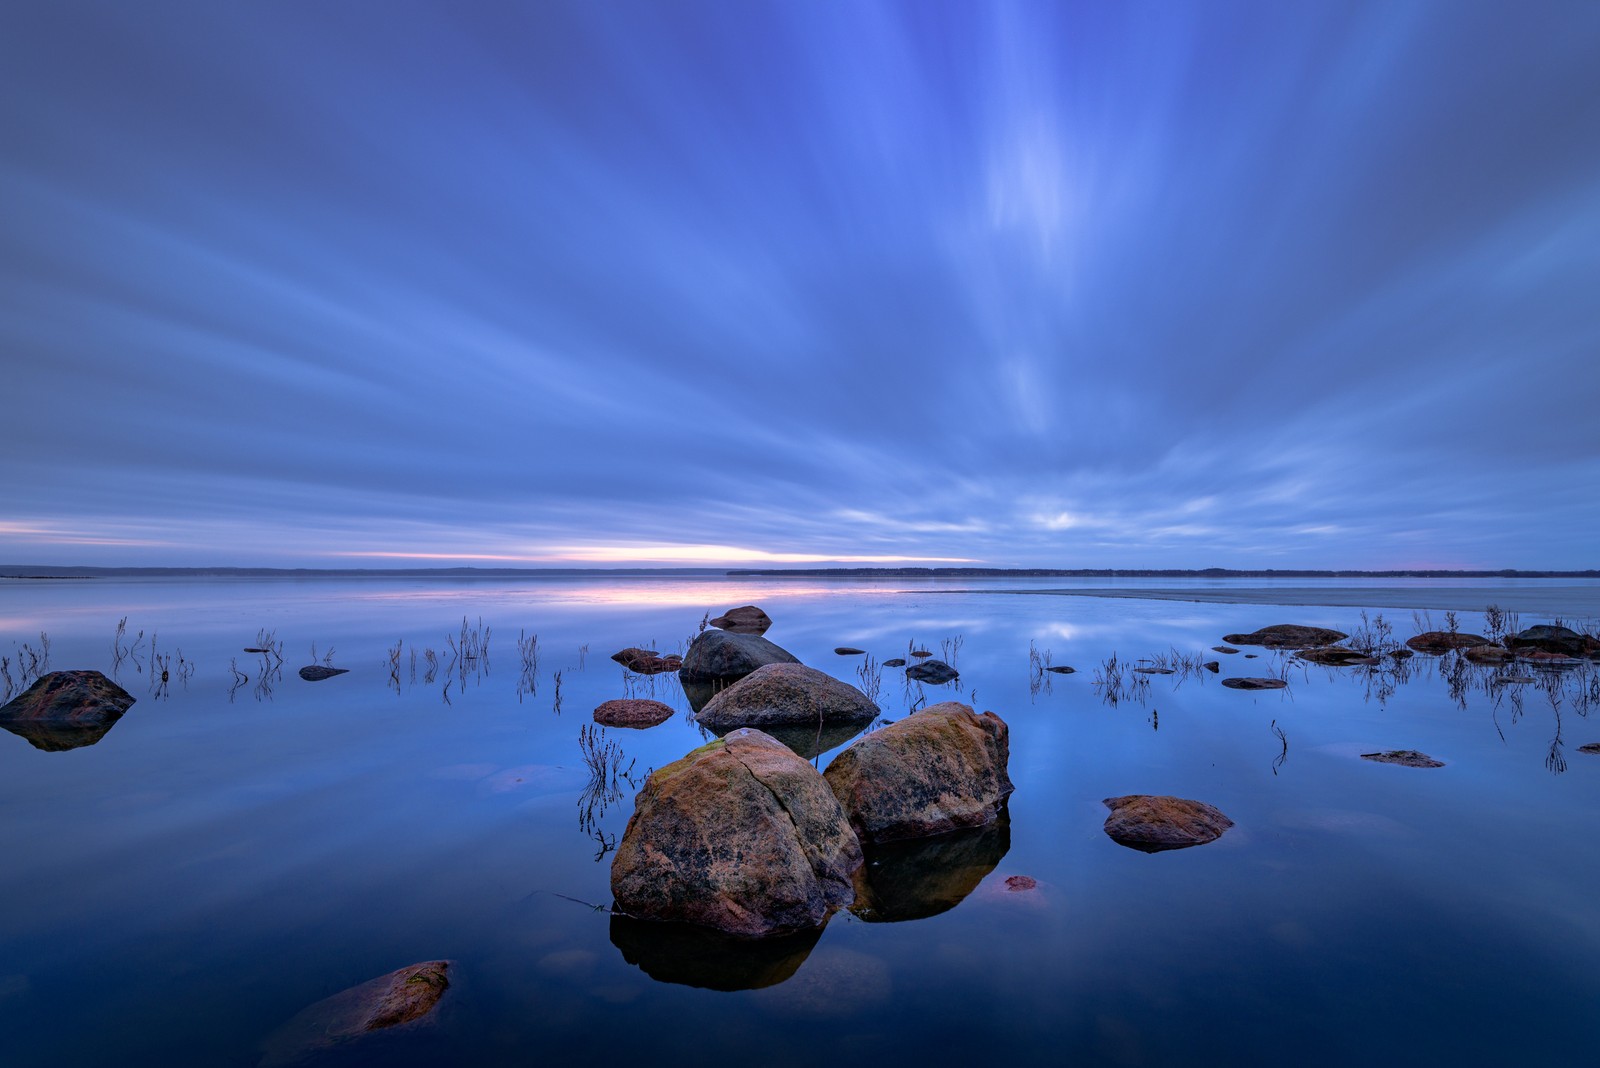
[(318, 672), (701, 957), (786, 695), (1551, 639), (932, 672), (1406, 758), (1062, 669), (915, 878), (1592, 747), (1254, 684), (937, 770), (720, 654), (632, 712), (69, 698), (1152, 671), (1286, 636), (1439, 642), (1335, 656), (896, 662), (744, 620), (849, 650), (402, 1001), (647, 661), (1545, 658), (740, 835), (1153, 823), (1488, 654), (1223, 649)]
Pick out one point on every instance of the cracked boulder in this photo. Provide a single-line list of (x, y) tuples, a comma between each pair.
[(741, 836)]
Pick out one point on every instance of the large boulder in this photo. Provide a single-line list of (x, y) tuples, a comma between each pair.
[(66, 710), (786, 695), (740, 835), (1152, 823), (937, 770), (1287, 636), (1550, 639), (1439, 642), (720, 654), (747, 619)]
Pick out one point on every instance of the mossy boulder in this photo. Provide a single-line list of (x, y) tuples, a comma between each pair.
[(742, 836), (786, 695), (937, 770)]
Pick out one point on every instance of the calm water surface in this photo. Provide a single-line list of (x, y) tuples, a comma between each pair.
[(233, 851)]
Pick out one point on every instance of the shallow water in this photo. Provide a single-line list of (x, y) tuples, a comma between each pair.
[(226, 856)]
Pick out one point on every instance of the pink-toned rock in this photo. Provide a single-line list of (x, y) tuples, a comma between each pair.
[(747, 619), (1153, 823), (647, 661), (632, 712), (406, 998), (1488, 654), (1019, 883), (1439, 642)]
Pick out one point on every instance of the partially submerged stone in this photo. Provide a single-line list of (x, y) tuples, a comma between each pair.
[(1152, 671), (1223, 649), (1153, 823), (1592, 747), (1286, 636), (1550, 639), (786, 695), (1488, 654), (740, 835), (896, 662), (632, 712), (747, 619), (318, 672), (723, 655), (402, 1001), (647, 661), (1212, 666), (1406, 758), (1061, 669), (937, 770), (1254, 684), (849, 650), (1335, 656), (932, 672), (1439, 642), (79, 698)]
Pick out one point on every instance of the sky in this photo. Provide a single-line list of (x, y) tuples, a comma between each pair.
[(1113, 284)]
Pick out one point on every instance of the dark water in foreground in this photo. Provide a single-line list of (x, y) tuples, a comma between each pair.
[(226, 856)]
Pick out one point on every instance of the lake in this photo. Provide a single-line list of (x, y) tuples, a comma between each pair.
[(243, 843)]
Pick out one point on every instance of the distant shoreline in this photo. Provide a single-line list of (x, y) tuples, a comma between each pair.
[(1209, 572), (1568, 602)]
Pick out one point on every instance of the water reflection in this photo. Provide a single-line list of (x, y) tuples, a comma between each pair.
[(59, 737), (699, 956), (926, 876), (807, 741)]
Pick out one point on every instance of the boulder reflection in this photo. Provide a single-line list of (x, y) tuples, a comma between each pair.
[(699, 956), (923, 877), (59, 737), (808, 742)]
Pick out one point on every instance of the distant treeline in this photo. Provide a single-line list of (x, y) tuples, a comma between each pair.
[(1086, 572), (37, 571)]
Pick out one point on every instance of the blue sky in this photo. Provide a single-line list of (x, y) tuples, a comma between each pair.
[(1048, 284)]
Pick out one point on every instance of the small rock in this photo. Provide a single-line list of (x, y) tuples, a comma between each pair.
[(647, 661), (896, 662), (746, 620), (1544, 658), (1152, 671), (632, 712), (1592, 747), (932, 672), (920, 653), (1287, 636), (1488, 654), (1223, 649), (407, 997), (1401, 654), (845, 650), (1018, 883), (1249, 656), (318, 672), (1406, 758), (1439, 642), (1153, 823), (1061, 669), (1254, 684), (1212, 666)]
